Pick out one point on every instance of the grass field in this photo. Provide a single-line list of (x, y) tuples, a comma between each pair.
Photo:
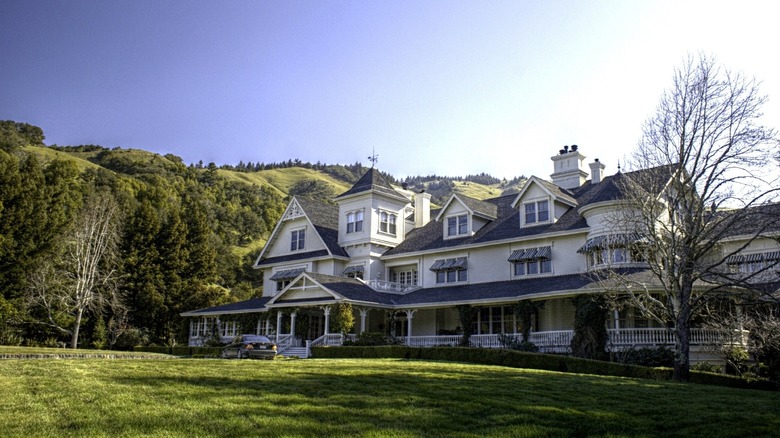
[(340, 397)]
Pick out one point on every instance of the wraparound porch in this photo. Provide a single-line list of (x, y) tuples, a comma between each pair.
[(559, 341)]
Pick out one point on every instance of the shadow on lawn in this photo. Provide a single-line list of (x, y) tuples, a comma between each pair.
[(418, 402)]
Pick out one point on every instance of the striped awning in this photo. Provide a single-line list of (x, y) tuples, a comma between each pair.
[(757, 257), (358, 269), (522, 255), (457, 264), (611, 240), (772, 256), (287, 274)]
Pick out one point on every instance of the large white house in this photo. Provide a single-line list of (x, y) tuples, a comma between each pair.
[(405, 267)]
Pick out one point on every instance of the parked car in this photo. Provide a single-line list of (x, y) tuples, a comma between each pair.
[(250, 346)]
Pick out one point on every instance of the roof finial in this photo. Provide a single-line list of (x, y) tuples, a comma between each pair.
[(373, 158), (618, 166)]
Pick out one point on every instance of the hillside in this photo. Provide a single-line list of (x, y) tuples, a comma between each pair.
[(187, 234)]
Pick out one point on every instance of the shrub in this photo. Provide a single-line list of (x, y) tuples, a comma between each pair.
[(648, 356), (371, 339), (707, 367), (549, 362)]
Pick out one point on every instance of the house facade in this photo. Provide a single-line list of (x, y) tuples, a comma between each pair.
[(408, 269)]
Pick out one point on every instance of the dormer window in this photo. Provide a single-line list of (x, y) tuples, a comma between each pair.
[(387, 222), (537, 212), (297, 240), (457, 225), (355, 222)]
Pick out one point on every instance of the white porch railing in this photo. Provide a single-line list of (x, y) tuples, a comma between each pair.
[(389, 286), (430, 341), (283, 342), (559, 341), (331, 340)]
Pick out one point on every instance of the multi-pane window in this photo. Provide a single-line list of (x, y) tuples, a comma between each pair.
[(537, 212), (458, 225), (355, 222), (494, 320), (532, 267), (387, 222), (297, 240), (532, 261), (613, 249), (405, 276), (753, 263)]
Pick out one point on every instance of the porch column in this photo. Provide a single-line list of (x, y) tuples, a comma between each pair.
[(267, 326), (259, 326), (191, 327), (326, 311), (292, 323), (409, 316), (616, 315), (363, 316), (278, 324)]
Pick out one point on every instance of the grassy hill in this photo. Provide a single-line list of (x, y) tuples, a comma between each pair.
[(283, 179)]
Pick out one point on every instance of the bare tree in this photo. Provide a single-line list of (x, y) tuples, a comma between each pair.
[(702, 179), (85, 277)]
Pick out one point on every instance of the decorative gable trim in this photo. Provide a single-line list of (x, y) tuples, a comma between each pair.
[(303, 283), (294, 211)]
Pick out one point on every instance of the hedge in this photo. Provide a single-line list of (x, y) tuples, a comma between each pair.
[(181, 350), (549, 362)]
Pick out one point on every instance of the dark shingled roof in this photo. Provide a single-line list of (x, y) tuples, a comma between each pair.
[(292, 257), (352, 289), (325, 218), (248, 306), (355, 290), (482, 208), (559, 192), (374, 181), (505, 226)]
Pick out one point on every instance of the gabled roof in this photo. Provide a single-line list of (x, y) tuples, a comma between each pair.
[(373, 181), (249, 306), (476, 207), (557, 193), (356, 291), (339, 288), (505, 226), (323, 217)]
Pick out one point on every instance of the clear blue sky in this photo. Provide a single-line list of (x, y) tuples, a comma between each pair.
[(445, 87)]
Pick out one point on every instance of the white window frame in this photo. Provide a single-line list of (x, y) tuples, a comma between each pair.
[(296, 242), (523, 268), (388, 223), (407, 277), (531, 210), (355, 221), (461, 225)]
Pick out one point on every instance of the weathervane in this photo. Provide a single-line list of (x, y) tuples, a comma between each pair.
[(373, 158)]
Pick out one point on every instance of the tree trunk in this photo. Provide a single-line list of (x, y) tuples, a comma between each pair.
[(682, 347), (74, 342)]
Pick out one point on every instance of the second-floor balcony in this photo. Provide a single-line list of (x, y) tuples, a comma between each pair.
[(390, 286)]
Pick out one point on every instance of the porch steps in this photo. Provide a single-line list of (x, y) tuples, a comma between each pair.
[(295, 351)]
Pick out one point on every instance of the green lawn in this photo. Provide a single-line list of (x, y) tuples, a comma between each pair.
[(349, 397)]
